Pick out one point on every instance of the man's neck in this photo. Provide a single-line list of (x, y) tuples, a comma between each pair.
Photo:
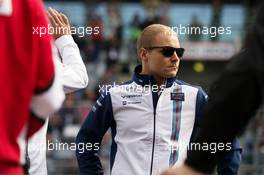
[(159, 80)]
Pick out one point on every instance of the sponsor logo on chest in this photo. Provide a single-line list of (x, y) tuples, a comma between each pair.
[(131, 99), (177, 96)]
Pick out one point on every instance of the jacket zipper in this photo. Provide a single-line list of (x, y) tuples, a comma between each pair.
[(154, 129), (154, 134), (153, 142)]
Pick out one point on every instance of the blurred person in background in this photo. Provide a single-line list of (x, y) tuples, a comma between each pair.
[(73, 77), (96, 37), (234, 99), (135, 31), (149, 115), (30, 90), (197, 25)]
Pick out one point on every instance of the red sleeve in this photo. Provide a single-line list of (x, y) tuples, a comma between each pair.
[(43, 49)]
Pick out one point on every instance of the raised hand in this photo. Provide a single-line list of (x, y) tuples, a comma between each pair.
[(60, 23)]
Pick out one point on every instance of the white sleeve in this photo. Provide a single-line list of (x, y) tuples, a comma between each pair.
[(49, 101), (74, 74)]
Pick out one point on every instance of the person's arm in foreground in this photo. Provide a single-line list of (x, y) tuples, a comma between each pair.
[(231, 162), (233, 101)]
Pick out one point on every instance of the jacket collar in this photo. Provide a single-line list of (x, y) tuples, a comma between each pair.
[(144, 79)]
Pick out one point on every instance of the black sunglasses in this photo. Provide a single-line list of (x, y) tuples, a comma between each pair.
[(168, 51)]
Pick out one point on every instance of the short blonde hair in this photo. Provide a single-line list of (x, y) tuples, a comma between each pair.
[(147, 36)]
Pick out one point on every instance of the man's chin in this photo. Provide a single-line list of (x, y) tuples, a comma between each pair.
[(171, 74)]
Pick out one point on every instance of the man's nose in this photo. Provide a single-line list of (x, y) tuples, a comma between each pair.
[(174, 57)]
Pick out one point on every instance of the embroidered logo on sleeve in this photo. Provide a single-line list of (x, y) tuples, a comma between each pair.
[(6, 7)]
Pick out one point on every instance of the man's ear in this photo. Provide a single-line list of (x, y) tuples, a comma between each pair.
[(143, 55)]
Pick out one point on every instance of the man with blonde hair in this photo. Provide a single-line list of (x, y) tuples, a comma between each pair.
[(152, 117)]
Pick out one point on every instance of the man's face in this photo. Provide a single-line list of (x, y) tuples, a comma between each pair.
[(160, 65)]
